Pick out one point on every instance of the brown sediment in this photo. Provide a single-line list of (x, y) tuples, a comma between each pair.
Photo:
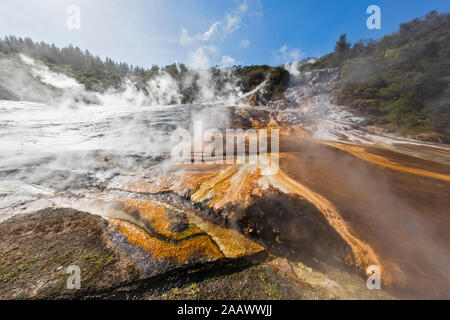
[(402, 216), (294, 131), (364, 154), (363, 253)]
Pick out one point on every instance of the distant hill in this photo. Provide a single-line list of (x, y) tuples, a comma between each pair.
[(98, 75)]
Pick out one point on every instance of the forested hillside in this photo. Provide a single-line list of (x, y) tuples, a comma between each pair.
[(400, 81), (98, 74), (90, 70)]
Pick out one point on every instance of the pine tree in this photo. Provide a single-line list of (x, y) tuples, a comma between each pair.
[(342, 45)]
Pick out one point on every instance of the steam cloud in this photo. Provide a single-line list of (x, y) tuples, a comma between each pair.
[(58, 136)]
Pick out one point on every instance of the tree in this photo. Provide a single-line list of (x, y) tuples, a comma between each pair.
[(342, 45), (431, 15)]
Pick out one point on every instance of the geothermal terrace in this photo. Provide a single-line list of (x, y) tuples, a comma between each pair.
[(105, 195)]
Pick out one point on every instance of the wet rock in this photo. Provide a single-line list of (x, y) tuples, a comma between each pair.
[(274, 280), (37, 249), (261, 282), (117, 257), (276, 211), (292, 227)]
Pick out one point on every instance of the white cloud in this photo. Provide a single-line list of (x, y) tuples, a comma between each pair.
[(186, 39), (229, 24), (243, 6), (294, 54), (232, 24), (245, 43), (201, 57), (284, 54), (283, 49), (227, 61), (211, 31), (233, 21)]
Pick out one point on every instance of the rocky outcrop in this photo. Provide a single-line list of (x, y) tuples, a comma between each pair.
[(303, 90), (152, 252), (37, 249), (279, 213), (308, 87), (274, 280), (156, 248)]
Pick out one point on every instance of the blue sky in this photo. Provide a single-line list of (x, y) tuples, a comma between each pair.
[(204, 32)]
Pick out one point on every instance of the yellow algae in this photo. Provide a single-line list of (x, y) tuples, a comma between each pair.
[(256, 124), (216, 182), (157, 216), (362, 153), (232, 185), (182, 252), (272, 123), (231, 243), (293, 131), (189, 179), (239, 182)]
